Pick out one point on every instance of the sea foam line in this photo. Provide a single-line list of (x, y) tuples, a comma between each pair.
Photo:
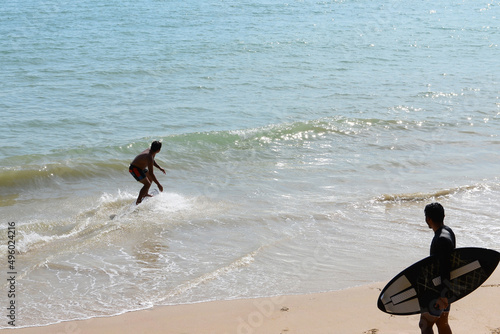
[(421, 196), (243, 261)]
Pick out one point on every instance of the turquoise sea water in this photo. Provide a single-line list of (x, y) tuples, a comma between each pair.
[(301, 141)]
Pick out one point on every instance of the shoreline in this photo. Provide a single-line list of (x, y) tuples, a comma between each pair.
[(346, 311)]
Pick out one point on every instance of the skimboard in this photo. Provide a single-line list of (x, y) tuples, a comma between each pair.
[(134, 206), (153, 193), (415, 289)]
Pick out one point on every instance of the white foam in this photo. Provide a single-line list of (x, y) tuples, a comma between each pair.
[(30, 239), (170, 202)]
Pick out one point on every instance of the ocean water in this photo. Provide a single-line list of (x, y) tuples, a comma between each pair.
[(301, 142)]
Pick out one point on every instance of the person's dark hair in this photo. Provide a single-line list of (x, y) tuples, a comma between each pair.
[(156, 146), (435, 211)]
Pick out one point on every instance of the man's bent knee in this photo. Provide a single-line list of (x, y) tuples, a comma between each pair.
[(146, 182)]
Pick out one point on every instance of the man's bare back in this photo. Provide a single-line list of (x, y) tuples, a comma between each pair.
[(143, 159)]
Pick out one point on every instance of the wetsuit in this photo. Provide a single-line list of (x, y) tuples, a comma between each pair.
[(442, 245)]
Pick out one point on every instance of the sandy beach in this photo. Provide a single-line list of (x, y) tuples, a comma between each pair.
[(348, 311)]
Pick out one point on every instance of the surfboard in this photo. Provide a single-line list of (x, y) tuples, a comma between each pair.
[(415, 289)]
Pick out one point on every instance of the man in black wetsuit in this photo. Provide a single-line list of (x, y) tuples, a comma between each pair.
[(442, 245)]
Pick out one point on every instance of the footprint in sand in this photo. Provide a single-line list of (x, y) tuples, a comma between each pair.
[(371, 331)]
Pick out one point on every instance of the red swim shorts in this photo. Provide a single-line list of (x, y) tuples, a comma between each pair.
[(137, 173)]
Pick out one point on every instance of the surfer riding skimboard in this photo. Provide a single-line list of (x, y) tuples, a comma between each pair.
[(141, 169)]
